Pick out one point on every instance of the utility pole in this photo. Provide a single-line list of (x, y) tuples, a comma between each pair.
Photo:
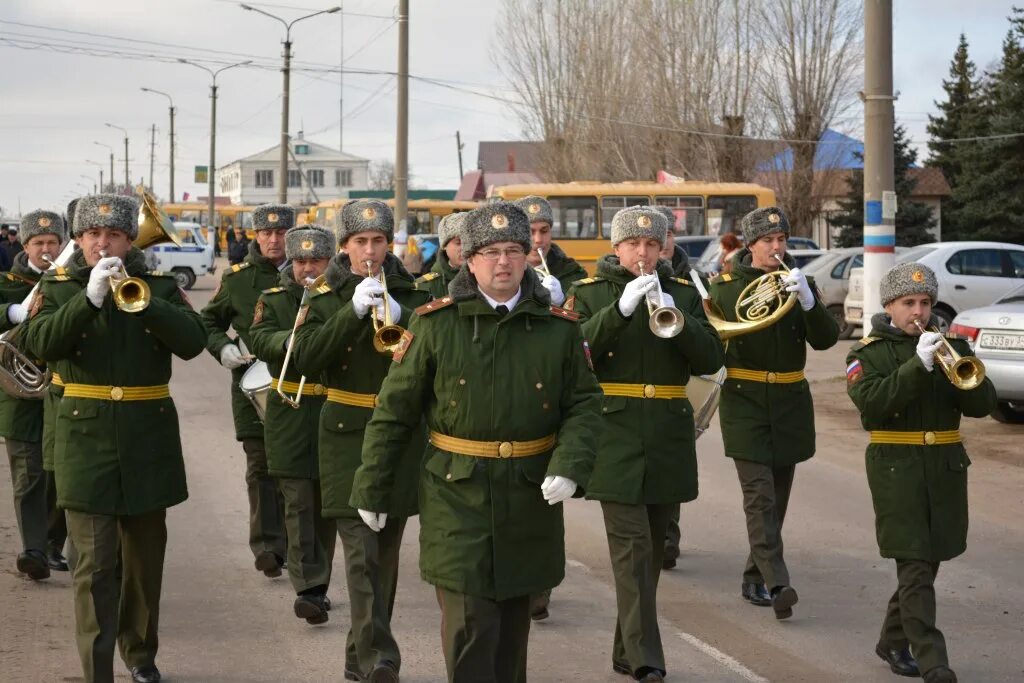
[(402, 150), (879, 184), (170, 103), (458, 148), (127, 181), (101, 180), (152, 154), (101, 144)]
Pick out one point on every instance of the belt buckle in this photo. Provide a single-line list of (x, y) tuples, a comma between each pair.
[(116, 393), (318, 390), (505, 449), (771, 378), (929, 438), (649, 391)]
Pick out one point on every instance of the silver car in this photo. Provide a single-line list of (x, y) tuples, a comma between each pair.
[(996, 334)]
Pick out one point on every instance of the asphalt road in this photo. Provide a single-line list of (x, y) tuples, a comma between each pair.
[(221, 621)]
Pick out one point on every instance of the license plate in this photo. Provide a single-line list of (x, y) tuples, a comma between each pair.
[(1014, 342), (854, 313)]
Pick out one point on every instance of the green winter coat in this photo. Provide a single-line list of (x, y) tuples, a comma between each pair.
[(485, 529), (441, 274), (772, 424), (20, 419), (51, 407), (115, 457), (648, 454), (919, 492), (680, 262), (232, 306), (290, 433), (337, 346)]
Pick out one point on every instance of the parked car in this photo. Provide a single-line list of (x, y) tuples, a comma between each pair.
[(996, 334), (193, 258), (804, 256), (708, 261), (970, 274)]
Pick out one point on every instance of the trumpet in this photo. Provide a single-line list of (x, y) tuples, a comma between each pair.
[(665, 321), (131, 294), (294, 402), (964, 372), (543, 267), (387, 334)]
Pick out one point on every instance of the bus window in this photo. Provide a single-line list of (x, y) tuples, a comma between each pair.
[(244, 219), (575, 217), (689, 213), (611, 205), (724, 213), (418, 221), (190, 216)]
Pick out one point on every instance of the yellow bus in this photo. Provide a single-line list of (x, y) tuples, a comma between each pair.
[(424, 214), (227, 216), (583, 210)]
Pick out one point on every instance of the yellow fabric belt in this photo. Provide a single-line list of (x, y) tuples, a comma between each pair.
[(764, 376), (643, 390), (492, 449), (915, 438), (352, 399), (109, 393), (55, 379), (293, 387)]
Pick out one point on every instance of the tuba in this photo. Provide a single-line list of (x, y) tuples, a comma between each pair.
[(964, 372), (387, 334)]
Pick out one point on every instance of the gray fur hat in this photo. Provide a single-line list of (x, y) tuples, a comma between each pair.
[(69, 217), (536, 208), (41, 222), (451, 226), (112, 211), (908, 278), (366, 215), (493, 223), (273, 217), (639, 221), (309, 242), (670, 216), (764, 221)]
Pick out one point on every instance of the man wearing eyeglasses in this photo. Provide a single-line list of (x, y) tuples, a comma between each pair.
[(511, 402)]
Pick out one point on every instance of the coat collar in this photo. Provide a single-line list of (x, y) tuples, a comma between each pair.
[(741, 267), (134, 263), (339, 272), (609, 268)]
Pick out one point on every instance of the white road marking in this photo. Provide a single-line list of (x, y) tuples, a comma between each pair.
[(722, 658)]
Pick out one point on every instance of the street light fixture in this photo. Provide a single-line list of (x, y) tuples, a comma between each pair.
[(127, 182), (210, 216), (282, 182), (90, 179), (171, 101), (96, 163)]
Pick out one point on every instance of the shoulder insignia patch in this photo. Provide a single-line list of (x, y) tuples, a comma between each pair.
[(427, 277), (854, 373), (273, 290), (864, 342), (564, 313), (403, 346), (435, 305), (588, 281), (237, 267), (257, 315), (159, 273), (724, 277), (950, 335), (681, 281), (14, 277)]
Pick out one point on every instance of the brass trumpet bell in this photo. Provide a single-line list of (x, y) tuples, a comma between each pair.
[(964, 372), (386, 335), (665, 321)]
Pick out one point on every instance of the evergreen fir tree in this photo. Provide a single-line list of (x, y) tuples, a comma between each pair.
[(913, 219), (961, 97)]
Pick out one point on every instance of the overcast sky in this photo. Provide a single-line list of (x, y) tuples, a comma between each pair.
[(54, 104)]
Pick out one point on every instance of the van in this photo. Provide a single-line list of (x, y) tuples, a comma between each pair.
[(193, 258)]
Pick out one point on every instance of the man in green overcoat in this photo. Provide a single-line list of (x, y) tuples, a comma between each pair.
[(562, 269), (290, 430), (766, 411), (504, 382), (647, 462), (21, 420), (916, 462), (118, 457), (335, 342), (449, 256), (232, 306)]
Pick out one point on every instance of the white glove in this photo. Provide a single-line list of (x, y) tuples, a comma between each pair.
[(16, 314), (557, 489), (667, 300), (634, 293), (797, 282), (927, 345), (552, 284), (396, 310), (99, 279), (231, 357), (368, 293), (374, 520)]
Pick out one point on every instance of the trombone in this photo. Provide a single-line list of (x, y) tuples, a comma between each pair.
[(294, 402), (665, 321), (131, 294), (386, 335), (964, 372)]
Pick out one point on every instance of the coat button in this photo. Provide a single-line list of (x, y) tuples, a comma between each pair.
[(84, 335), (341, 425), (539, 385), (451, 403), (462, 381), (611, 353), (448, 476), (545, 406), (348, 348), (74, 412), (344, 367)]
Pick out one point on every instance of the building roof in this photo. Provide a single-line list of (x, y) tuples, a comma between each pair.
[(834, 151), (508, 156), (317, 152), (476, 185)]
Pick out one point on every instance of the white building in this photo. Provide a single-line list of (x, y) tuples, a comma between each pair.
[(315, 173)]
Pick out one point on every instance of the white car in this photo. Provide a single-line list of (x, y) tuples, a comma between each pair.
[(970, 274), (193, 258)]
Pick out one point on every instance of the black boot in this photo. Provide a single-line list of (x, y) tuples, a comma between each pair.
[(269, 563), (783, 599), (311, 607), (900, 661), (57, 561), (145, 674), (756, 594), (940, 674), (33, 564)]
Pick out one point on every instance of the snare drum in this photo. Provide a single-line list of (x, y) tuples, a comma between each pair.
[(255, 384)]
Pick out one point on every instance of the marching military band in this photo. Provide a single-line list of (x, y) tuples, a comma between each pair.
[(479, 397)]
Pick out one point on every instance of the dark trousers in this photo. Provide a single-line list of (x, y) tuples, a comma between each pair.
[(109, 610), (57, 523), (266, 507), (636, 543), (311, 538), (371, 571), (674, 536), (28, 481), (910, 615), (484, 641), (766, 492)]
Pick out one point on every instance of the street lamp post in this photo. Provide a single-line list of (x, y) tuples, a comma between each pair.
[(96, 163), (91, 180), (282, 192), (212, 223), (157, 92), (127, 181), (103, 144)]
